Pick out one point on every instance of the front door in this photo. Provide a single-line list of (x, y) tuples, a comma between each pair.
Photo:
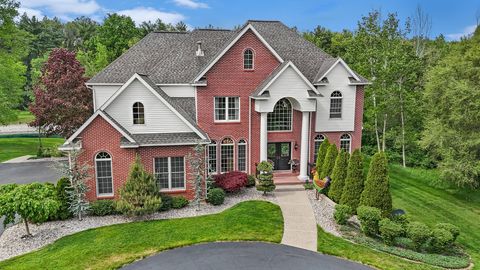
[(280, 154)]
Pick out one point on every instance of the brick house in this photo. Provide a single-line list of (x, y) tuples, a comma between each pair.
[(260, 92)]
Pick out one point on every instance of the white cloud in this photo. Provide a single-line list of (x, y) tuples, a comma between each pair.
[(142, 14), (62, 7), (190, 4), (466, 32), (30, 12)]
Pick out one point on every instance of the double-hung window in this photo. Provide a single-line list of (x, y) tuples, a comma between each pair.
[(242, 156), (170, 172), (227, 109), (212, 157), (227, 157), (103, 168), (336, 105)]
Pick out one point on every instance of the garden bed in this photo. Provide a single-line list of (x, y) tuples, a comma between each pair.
[(11, 243)]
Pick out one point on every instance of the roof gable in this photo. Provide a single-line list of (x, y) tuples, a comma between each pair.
[(325, 70)]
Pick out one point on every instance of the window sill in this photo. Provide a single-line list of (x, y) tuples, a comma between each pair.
[(106, 196), (249, 70), (227, 122), (173, 191), (279, 131)]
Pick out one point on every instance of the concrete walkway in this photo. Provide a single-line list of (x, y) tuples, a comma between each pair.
[(300, 227)]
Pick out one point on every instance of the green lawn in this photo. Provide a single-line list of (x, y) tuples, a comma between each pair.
[(23, 117), (16, 147), (113, 246)]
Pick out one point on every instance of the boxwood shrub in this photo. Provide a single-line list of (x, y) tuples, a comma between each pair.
[(389, 231), (102, 208), (251, 180), (419, 233), (369, 218), (342, 213), (166, 202), (179, 202), (441, 239), (454, 230), (216, 196)]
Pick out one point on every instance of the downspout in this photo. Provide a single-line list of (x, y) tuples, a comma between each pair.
[(249, 135)]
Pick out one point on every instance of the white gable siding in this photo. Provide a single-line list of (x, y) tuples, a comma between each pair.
[(338, 80), (158, 117), (102, 93), (179, 90), (290, 85)]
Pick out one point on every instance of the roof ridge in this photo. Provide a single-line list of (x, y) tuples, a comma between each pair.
[(263, 21), (170, 32), (212, 29)]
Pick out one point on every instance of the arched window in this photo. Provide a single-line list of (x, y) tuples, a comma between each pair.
[(248, 59), (138, 113), (103, 169), (317, 141), (336, 105), (212, 157), (345, 142), (226, 154), (281, 117), (242, 156)]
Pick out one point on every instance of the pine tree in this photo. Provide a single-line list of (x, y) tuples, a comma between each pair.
[(354, 182), (265, 179), (329, 161), (322, 151), (377, 192), (338, 176), (139, 195)]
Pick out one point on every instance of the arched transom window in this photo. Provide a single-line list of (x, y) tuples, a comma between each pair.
[(138, 113), (281, 117), (103, 174), (248, 59), (336, 105), (345, 142), (226, 155), (317, 141)]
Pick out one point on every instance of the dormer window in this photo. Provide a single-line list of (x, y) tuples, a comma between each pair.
[(138, 113), (248, 59)]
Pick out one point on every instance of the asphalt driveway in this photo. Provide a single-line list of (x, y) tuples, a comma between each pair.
[(242, 255), (28, 172)]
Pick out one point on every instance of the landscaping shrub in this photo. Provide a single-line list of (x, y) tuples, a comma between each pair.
[(376, 192), (251, 180), (454, 230), (216, 196), (63, 211), (389, 230), (265, 179), (401, 220), (231, 181), (419, 233), (166, 202), (179, 202), (338, 176), (342, 213), (329, 161), (139, 196), (322, 151), (441, 239), (369, 218), (353, 187), (102, 208)]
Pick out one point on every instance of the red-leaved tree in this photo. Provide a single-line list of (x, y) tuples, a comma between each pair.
[(62, 101)]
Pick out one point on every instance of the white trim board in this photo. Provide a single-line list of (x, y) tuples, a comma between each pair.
[(340, 60)]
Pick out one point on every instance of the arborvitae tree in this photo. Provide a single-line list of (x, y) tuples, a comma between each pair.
[(377, 192), (329, 161), (265, 179), (322, 151), (338, 176), (139, 195), (353, 187)]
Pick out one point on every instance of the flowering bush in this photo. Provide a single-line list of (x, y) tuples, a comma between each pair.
[(231, 181)]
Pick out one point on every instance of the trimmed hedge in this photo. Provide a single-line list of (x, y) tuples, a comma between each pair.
[(441, 239), (342, 213), (329, 161), (338, 176), (231, 181), (216, 196), (102, 208), (354, 182), (454, 230), (376, 192), (369, 219), (419, 233), (389, 231)]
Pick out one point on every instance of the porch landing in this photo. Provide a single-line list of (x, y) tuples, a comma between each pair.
[(286, 178)]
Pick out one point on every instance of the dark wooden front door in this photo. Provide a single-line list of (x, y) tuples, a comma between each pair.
[(280, 154)]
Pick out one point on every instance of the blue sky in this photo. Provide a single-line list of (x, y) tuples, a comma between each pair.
[(451, 18)]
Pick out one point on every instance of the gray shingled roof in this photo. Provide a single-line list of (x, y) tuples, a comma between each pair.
[(163, 139), (188, 105), (169, 57)]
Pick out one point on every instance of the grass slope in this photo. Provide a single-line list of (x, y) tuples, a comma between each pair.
[(113, 246), (23, 117), (16, 147)]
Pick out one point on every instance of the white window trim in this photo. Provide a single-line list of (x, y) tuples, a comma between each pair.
[(216, 158), (226, 110), (349, 140), (253, 59), (291, 122), (169, 165), (238, 158), (144, 115), (101, 195), (233, 154), (341, 106), (315, 140)]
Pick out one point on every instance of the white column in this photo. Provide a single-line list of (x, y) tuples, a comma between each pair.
[(263, 136), (304, 147)]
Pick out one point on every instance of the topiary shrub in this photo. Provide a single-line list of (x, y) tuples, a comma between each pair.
[(342, 213), (338, 176), (102, 208), (166, 202), (265, 179), (139, 196), (329, 161), (353, 187), (369, 218), (179, 202), (61, 189), (321, 152), (231, 181), (419, 233), (376, 192), (216, 196), (251, 180), (441, 239), (454, 230), (389, 230)]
